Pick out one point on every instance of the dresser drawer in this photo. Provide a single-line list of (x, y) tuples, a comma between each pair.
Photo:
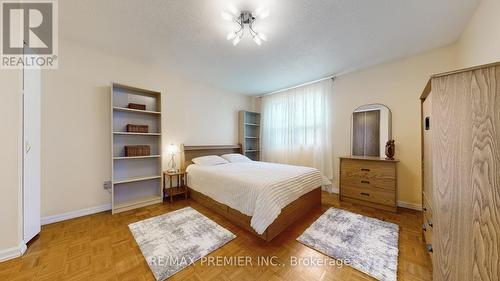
[(366, 168), (375, 195), (368, 181)]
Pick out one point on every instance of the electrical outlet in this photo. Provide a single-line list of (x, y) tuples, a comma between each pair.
[(107, 185)]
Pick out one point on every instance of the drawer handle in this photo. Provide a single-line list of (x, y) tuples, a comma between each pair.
[(424, 228), (366, 182), (365, 169), (425, 209), (429, 248), (365, 194), (429, 222)]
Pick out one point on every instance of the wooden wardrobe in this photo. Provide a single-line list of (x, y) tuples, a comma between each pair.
[(461, 173)]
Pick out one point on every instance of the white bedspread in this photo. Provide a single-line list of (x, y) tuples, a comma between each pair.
[(256, 189)]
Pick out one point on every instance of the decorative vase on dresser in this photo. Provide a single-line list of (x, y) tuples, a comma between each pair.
[(370, 181)]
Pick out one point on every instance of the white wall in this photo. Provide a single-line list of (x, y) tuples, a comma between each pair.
[(76, 121), (480, 42)]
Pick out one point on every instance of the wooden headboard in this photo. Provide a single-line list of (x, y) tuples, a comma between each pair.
[(188, 152)]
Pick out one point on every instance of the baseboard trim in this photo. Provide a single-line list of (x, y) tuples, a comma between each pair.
[(412, 206), (107, 207), (12, 253), (75, 214)]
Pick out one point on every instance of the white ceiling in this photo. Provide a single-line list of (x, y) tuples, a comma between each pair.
[(307, 39)]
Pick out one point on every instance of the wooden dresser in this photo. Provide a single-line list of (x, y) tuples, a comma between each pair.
[(370, 181)]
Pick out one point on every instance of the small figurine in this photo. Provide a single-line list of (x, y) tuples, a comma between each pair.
[(390, 150)]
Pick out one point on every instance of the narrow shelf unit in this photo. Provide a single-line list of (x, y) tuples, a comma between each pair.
[(249, 133), (136, 180)]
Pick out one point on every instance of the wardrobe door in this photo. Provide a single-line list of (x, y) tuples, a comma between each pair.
[(485, 173), (466, 175)]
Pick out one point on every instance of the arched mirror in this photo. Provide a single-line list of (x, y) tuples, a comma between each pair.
[(370, 130)]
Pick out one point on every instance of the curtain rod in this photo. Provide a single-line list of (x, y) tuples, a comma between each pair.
[(333, 77)]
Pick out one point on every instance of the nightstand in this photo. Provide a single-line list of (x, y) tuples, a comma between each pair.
[(181, 187)]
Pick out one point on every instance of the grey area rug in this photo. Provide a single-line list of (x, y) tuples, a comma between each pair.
[(175, 240), (366, 244)]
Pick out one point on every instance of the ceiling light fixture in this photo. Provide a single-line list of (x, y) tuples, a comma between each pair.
[(246, 19)]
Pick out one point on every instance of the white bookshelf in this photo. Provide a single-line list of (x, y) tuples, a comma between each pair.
[(136, 180), (249, 134)]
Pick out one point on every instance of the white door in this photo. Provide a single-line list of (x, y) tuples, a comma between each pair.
[(32, 145)]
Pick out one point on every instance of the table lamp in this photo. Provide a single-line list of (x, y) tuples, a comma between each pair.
[(172, 149)]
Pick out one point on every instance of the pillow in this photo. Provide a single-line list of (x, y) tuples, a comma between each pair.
[(236, 158), (210, 160)]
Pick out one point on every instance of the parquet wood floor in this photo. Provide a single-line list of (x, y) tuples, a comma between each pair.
[(100, 247)]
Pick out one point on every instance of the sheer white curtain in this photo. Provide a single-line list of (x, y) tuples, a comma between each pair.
[(296, 128)]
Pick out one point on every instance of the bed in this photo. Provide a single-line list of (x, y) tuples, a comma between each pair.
[(263, 198)]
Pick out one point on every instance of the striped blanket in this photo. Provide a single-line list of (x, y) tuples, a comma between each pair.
[(257, 189)]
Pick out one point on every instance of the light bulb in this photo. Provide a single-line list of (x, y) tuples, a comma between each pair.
[(257, 40), (236, 40), (262, 13), (232, 9), (262, 36), (231, 35), (227, 16)]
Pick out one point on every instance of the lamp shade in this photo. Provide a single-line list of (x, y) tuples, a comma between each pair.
[(173, 149)]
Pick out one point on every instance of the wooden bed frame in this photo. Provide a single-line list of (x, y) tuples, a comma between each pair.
[(290, 214)]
